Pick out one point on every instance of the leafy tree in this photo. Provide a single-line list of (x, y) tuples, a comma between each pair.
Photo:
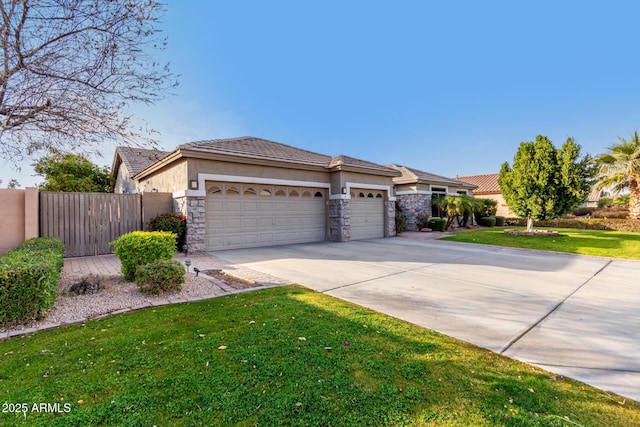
[(72, 172), (545, 182), (70, 68), (619, 169), (13, 183)]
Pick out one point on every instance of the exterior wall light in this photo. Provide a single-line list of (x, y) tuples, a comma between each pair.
[(193, 184)]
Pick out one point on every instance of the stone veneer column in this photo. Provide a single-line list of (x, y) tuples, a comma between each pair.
[(391, 218), (339, 220), (194, 209), (414, 205)]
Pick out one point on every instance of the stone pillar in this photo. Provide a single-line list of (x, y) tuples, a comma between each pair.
[(390, 218), (194, 209), (413, 206), (339, 220)]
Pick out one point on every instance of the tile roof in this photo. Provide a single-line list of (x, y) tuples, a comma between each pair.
[(487, 184), (416, 175), (343, 160), (258, 148), (137, 159)]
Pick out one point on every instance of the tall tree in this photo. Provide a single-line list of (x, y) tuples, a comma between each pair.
[(72, 172), (545, 182), (69, 69), (619, 170)]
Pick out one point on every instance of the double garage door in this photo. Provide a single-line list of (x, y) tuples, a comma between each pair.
[(249, 215)]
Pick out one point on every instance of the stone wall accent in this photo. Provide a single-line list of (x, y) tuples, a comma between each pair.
[(390, 216), (414, 205), (194, 209), (339, 220)]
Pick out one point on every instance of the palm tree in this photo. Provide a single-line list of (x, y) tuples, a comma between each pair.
[(619, 169)]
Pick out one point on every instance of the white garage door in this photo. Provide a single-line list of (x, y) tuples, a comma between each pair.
[(246, 216), (367, 214)]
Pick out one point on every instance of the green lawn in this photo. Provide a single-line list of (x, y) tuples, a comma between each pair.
[(614, 244), (282, 356)]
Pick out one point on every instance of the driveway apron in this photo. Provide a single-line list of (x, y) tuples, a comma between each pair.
[(573, 315)]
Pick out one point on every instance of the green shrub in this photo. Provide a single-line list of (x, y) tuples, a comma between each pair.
[(173, 223), (487, 221), (160, 276), (612, 224), (583, 211), (490, 207), (499, 221), (422, 221), (401, 222), (29, 279), (437, 224), (142, 247)]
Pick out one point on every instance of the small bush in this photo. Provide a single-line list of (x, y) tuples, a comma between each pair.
[(160, 276), (422, 221), (401, 222), (173, 223), (29, 279), (142, 247), (437, 224), (487, 221), (583, 211), (499, 221)]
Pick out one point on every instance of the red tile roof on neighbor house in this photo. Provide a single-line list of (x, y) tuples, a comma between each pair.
[(487, 184)]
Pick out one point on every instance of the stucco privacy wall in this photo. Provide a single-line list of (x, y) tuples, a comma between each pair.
[(19, 219)]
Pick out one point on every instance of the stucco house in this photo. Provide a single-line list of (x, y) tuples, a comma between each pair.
[(487, 188), (249, 192), (415, 190)]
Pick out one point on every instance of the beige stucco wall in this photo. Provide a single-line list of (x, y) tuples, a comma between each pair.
[(340, 179), (19, 219), (169, 179), (124, 184)]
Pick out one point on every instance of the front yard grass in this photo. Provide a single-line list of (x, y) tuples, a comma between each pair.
[(614, 244), (281, 356)]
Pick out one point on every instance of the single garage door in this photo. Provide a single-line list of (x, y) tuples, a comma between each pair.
[(246, 216), (367, 214)]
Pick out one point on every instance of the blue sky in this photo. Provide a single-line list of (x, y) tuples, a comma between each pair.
[(448, 87)]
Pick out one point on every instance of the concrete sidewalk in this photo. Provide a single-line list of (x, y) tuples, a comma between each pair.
[(573, 315)]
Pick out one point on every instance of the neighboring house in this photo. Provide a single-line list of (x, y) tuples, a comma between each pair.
[(248, 192), (594, 197), (415, 190), (488, 188), (127, 162)]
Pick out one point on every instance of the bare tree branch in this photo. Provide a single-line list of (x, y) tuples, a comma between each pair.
[(71, 67)]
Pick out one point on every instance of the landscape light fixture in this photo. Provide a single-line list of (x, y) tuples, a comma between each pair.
[(187, 262)]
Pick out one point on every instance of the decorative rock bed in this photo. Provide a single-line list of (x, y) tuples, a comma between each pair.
[(539, 233)]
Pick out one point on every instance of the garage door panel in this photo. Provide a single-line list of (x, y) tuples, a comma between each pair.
[(367, 215), (276, 215)]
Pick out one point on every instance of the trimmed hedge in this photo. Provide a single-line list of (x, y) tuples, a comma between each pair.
[(29, 278), (160, 276), (500, 221), (142, 247), (487, 221), (437, 224), (612, 224)]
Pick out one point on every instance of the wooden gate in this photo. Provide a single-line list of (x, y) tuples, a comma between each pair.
[(87, 222)]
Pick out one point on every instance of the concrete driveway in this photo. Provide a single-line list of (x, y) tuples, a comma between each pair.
[(577, 316)]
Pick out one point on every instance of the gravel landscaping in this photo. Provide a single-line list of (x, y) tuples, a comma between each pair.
[(110, 294)]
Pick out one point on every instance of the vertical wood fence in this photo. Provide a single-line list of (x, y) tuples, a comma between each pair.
[(87, 222)]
